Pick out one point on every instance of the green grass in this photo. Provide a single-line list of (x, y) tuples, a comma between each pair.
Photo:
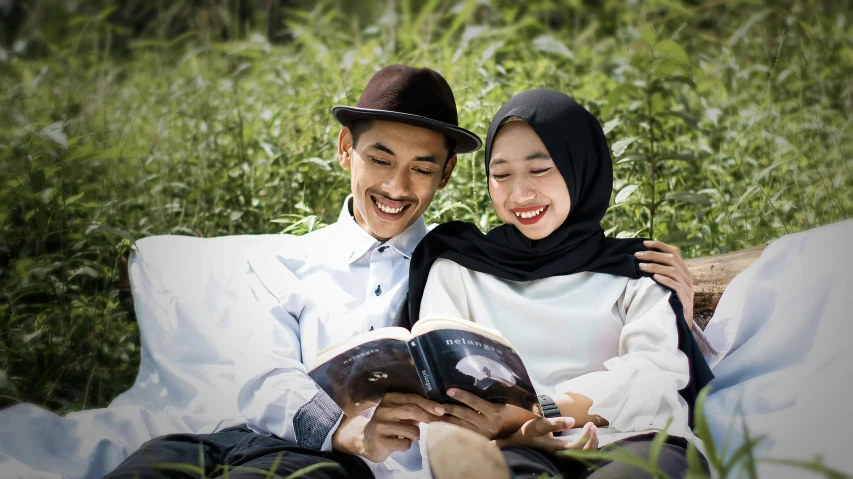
[(729, 124)]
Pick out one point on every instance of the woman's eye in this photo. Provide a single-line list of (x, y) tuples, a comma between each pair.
[(501, 177), (541, 171)]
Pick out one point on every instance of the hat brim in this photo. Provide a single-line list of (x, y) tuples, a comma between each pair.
[(466, 142)]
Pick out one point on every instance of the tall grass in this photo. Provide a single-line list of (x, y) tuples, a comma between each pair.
[(729, 124)]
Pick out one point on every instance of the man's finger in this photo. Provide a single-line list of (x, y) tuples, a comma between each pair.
[(399, 430), (475, 402), (660, 245), (463, 424), (394, 444), (670, 271), (408, 412), (431, 407), (669, 256), (657, 257)]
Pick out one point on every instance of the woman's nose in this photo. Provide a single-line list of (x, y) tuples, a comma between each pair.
[(521, 192)]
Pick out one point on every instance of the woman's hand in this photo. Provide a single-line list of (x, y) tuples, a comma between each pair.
[(539, 433), (669, 270), (484, 417)]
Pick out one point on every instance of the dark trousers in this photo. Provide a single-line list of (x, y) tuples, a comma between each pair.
[(530, 463), (240, 452)]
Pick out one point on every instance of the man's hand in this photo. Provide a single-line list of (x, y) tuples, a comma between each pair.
[(669, 270), (481, 416), (393, 427), (539, 433)]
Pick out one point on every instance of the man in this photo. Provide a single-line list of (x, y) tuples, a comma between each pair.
[(400, 143)]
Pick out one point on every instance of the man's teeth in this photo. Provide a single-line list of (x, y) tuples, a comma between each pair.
[(391, 211), (530, 214)]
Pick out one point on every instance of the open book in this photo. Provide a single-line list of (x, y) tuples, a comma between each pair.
[(438, 354)]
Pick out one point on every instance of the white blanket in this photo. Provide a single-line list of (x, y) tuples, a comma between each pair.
[(186, 293), (782, 327)]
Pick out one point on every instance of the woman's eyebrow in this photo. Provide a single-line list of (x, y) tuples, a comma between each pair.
[(539, 155)]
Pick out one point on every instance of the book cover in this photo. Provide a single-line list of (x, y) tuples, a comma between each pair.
[(439, 353)]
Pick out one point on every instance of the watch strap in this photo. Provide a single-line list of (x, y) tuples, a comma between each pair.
[(549, 407)]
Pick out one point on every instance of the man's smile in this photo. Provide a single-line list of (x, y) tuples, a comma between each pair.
[(388, 209)]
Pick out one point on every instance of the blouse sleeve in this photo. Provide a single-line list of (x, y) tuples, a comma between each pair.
[(638, 391), (444, 293)]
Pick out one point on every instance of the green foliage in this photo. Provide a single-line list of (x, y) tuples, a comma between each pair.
[(728, 126)]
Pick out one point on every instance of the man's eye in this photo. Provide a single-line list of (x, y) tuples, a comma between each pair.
[(423, 172), (378, 161), (541, 172), (501, 177)]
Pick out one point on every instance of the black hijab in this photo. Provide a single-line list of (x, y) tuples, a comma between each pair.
[(576, 142)]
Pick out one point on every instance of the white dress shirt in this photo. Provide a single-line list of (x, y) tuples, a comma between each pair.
[(610, 338), (313, 292)]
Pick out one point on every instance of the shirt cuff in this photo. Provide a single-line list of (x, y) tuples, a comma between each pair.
[(316, 421), (602, 388)]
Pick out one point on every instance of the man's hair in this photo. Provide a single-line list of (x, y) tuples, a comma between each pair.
[(358, 127)]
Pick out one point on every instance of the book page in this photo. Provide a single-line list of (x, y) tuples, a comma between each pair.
[(435, 323), (400, 334)]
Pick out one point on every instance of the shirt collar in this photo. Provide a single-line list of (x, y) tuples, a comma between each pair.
[(359, 242)]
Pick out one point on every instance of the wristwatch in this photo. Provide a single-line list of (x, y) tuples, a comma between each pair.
[(549, 407)]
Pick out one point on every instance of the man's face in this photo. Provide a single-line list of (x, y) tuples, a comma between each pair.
[(396, 170)]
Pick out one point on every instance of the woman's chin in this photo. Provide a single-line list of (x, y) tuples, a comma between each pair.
[(535, 232)]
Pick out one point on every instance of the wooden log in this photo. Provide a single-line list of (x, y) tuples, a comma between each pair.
[(712, 274)]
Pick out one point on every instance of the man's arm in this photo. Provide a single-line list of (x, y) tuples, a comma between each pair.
[(278, 397)]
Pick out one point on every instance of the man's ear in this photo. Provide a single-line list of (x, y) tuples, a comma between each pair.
[(345, 148), (448, 170)]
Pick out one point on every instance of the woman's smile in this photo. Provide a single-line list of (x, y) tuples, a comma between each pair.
[(530, 214)]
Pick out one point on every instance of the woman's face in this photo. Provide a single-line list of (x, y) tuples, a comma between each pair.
[(526, 187)]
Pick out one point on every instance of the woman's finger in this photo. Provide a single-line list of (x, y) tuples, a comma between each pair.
[(584, 438), (548, 443), (546, 426), (465, 413), (592, 445), (474, 402)]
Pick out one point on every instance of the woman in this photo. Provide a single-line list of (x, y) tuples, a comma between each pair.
[(603, 343)]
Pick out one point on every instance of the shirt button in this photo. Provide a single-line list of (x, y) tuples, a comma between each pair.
[(382, 249), (378, 290)]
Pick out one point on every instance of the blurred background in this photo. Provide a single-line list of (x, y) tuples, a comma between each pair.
[(729, 122)]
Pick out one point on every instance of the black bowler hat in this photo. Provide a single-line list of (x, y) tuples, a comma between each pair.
[(414, 96)]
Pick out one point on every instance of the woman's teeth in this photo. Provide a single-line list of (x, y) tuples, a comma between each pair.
[(386, 209), (530, 214)]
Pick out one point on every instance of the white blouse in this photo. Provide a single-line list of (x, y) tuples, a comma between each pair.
[(610, 338)]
